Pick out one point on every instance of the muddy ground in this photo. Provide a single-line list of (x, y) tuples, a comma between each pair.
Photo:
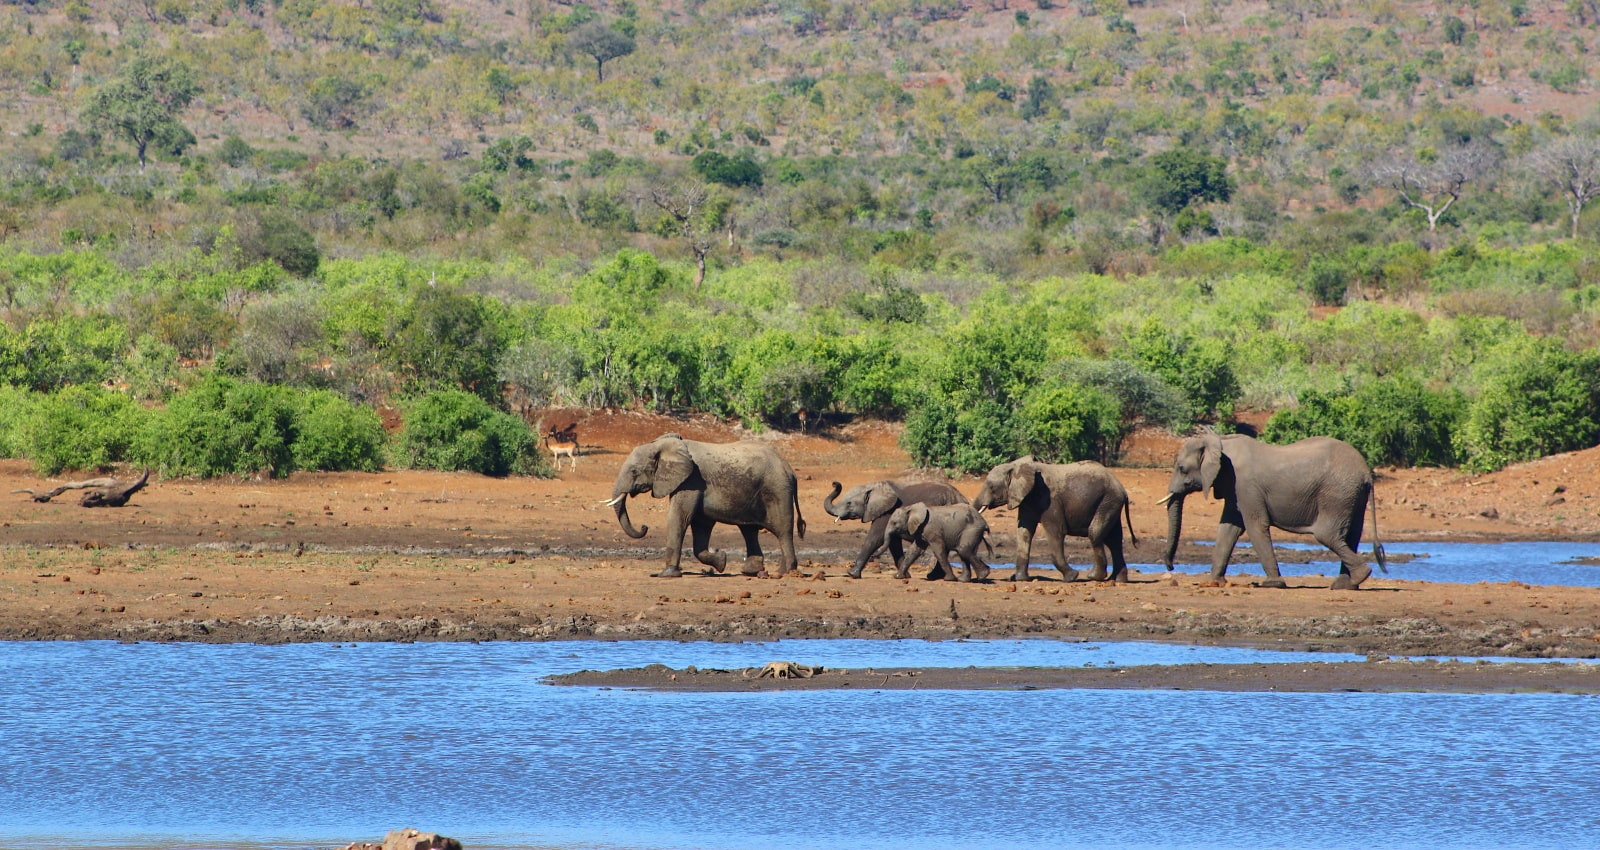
[(404, 555)]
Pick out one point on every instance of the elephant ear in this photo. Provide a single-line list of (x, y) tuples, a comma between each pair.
[(674, 466), (1210, 460), (881, 499), (1024, 476), (916, 519)]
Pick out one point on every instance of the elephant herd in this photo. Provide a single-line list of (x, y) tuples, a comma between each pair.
[(1318, 486)]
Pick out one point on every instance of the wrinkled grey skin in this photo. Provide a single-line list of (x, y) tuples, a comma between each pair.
[(1082, 499), (1318, 486), (744, 484), (942, 529), (874, 502)]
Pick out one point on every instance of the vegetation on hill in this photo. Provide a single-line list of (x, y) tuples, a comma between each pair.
[(1021, 227)]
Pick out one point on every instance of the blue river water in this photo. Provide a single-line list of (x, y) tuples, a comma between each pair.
[(1536, 563), (315, 745)]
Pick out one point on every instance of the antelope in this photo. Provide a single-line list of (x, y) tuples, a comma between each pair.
[(562, 441)]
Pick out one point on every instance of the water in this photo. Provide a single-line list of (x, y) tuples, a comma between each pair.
[(1535, 563), (176, 745)]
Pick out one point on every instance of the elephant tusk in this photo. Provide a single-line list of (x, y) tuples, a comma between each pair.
[(611, 503), (1165, 499), (982, 509)]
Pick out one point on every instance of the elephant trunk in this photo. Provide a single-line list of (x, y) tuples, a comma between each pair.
[(621, 507), (1174, 528), (827, 501)]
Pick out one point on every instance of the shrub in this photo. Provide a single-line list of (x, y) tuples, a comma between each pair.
[(223, 426), (1066, 422), (331, 434), (971, 439), (1541, 400), (454, 430), (1392, 421), (81, 427)]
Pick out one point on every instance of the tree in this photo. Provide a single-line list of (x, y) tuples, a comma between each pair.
[(600, 43), (142, 104), (693, 213), (1572, 165), (1432, 182), (1184, 176)]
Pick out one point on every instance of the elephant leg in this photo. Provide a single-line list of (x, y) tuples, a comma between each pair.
[(1261, 539), (1024, 553), (903, 568), (1055, 543), (702, 545), (976, 569), (1119, 562), (942, 555), (1099, 554), (1227, 536), (754, 558), (677, 522), (788, 559), (1353, 569), (877, 540)]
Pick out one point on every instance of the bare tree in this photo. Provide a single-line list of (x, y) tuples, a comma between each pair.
[(1572, 165), (695, 214), (1433, 182)]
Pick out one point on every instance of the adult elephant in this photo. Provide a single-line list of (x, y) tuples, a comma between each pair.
[(746, 484), (1082, 499), (875, 502), (1318, 486)]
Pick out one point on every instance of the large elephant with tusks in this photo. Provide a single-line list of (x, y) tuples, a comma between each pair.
[(1318, 486), (746, 484)]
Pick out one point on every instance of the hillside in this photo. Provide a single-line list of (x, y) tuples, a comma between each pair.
[(1014, 229)]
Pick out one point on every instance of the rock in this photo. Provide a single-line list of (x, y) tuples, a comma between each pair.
[(412, 839), (1489, 513), (408, 839)]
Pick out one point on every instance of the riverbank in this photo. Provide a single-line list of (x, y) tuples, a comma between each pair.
[(402, 555), (1374, 675)]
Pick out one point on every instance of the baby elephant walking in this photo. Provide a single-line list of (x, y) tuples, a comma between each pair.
[(944, 529)]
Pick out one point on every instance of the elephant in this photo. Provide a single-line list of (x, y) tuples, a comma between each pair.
[(1318, 486), (746, 484), (874, 502), (1082, 499), (943, 529)]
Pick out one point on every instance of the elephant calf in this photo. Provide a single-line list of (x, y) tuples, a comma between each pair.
[(874, 503), (943, 529)]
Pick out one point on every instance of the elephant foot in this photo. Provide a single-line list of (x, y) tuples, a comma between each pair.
[(1271, 581), (669, 572), (1097, 574), (981, 574), (1351, 580), (936, 573), (853, 572), (1070, 574), (1120, 576), (1020, 575), (752, 567)]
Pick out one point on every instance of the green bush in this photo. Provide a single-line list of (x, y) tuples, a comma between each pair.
[(1060, 423), (223, 426), (1540, 399), (80, 427), (1393, 421), (971, 439), (454, 430), (331, 434)]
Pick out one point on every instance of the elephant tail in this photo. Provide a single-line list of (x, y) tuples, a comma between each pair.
[(1377, 547), (1127, 512), (799, 518)]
